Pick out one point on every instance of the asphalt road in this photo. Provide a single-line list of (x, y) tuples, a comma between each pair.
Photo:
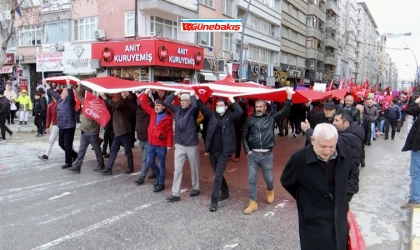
[(45, 207)]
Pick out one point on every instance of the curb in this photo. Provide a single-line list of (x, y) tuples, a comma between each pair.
[(415, 229)]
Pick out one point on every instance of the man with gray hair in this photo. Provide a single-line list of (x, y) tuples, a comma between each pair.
[(317, 178), (186, 142)]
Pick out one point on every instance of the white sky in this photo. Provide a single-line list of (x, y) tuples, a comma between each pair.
[(399, 16)]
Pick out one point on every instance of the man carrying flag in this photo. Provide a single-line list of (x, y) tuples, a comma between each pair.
[(89, 134)]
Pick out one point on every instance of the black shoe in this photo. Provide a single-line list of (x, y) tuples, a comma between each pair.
[(223, 197), (158, 188), (39, 135), (139, 181), (106, 156), (8, 123), (43, 157), (392, 138), (104, 153), (152, 176), (98, 168), (75, 170), (386, 138), (26, 123), (374, 139), (156, 182), (74, 158), (11, 134), (173, 198), (66, 166), (194, 193), (20, 123), (106, 171), (129, 171), (213, 206)]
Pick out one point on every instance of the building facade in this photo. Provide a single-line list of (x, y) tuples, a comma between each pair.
[(293, 43), (332, 28)]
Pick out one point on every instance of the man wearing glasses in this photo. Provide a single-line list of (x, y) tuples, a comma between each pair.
[(186, 142)]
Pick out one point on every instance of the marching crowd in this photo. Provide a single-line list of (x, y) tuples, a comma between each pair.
[(323, 176)]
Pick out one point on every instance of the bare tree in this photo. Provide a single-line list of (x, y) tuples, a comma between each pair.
[(214, 62), (7, 21), (257, 69)]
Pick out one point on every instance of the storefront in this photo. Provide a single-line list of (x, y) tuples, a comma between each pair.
[(8, 71), (77, 60), (150, 59)]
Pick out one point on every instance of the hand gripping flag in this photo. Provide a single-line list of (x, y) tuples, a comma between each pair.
[(94, 108), (203, 92)]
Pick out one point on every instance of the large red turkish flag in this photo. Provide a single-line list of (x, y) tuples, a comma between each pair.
[(95, 108)]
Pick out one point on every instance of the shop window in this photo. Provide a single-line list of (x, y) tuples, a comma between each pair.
[(227, 41), (228, 7), (30, 35), (163, 27), (206, 39), (129, 23), (84, 29), (209, 3), (57, 32)]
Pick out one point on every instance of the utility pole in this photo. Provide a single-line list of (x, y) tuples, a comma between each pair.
[(241, 49), (136, 19)]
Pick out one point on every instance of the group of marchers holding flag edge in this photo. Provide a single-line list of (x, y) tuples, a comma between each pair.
[(316, 176)]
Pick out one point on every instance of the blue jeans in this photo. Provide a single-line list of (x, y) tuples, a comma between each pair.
[(265, 161), (159, 170), (144, 145), (381, 126), (415, 176), (373, 131)]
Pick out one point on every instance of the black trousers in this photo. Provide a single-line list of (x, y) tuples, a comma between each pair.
[(124, 140), (108, 137), (39, 123), (218, 162), (238, 132), (11, 117), (393, 124), (3, 127), (65, 140)]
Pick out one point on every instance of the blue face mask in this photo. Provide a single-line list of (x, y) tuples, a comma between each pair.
[(220, 110)]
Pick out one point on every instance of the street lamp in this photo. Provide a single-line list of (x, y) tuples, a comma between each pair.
[(242, 40), (417, 66)]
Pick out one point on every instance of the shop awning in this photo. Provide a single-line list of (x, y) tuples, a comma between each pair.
[(6, 69), (82, 71), (211, 77)]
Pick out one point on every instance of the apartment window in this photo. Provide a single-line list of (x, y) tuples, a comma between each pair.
[(285, 32), (228, 7), (300, 62), (301, 39), (259, 24), (285, 6), (206, 39), (312, 43), (293, 36), (227, 41), (277, 6), (129, 23), (292, 60), (284, 58), (30, 35), (84, 29), (293, 12), (259, 54), (163, 27), (209, 3), (57, 32), (301, 17), (312, 21), (316, 2)]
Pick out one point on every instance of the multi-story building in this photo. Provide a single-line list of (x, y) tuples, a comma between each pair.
[(394, 76), (382, 60), (347, 40), (367, 64), (332, 27), (293, 42), (262, 42), (315, 39), (387, 72)]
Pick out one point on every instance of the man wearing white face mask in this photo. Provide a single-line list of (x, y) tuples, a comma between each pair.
[(220, 143)]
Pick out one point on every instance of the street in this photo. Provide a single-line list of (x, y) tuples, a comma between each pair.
[(45, 207)]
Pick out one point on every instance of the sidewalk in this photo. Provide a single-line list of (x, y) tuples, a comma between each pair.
[(16, 128)]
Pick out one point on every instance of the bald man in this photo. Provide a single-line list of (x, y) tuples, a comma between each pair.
[(348, 104)]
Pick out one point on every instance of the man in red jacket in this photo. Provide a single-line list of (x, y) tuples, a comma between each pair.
[(51, 119), (160, 136)]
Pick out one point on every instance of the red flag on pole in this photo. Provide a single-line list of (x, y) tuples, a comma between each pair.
[(341, 83), (94, 108), (331, 84)]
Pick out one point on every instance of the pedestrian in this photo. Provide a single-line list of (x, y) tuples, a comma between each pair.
[(11, 96), (393, 116), (54, 130), (45, 100), (239, 128), (142, 124), (160, 136), (25, 104), (186, 142), (4, 113), (66, 121), (365, 124), (89, 134), (108, 134), (412, 143), (258, 140), (220, 143), (373, 113), (348, 104), (39, 112), (322, 209), (121, 110)]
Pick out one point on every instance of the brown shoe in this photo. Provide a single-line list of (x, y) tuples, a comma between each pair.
[(410, 205)]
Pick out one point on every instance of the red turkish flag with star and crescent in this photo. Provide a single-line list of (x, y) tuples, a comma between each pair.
[(95, 108), (203, 92)]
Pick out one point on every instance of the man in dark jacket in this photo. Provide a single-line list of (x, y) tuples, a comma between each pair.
[(220, 143), (66, 120), (320, 117), (393, 116), (373, 113), (258, 140), (348, 104), (366, 125), (40, 112), (351, 135), (121, 109), (317, 178), (4, 113), (412, 144), (186, 142), (142, 123)]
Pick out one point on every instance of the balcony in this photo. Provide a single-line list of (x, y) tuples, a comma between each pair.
[(314, 32), (331, 22), (332, 5), (352, 42), (314, 54), (181, 8), (314, 10), (330, 59), (351, 55), (331, 42), (55, 6), (359, 39)]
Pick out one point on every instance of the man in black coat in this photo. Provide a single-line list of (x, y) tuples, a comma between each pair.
[(348, 104), (317, 177), (4, 113), (316, 118), (220, 143), (365, 123)]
